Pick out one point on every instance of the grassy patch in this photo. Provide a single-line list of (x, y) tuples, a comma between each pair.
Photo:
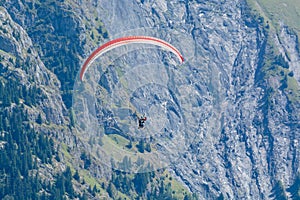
[(288, 83), (65, 152), (5, 55), (277, 11), (119, 140), (293, 90), (178, 190), (286, 11), (274, 65), (88, 178), (115, 145)]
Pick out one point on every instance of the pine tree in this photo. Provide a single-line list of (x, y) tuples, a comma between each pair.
[(294, 189), (278, 191), (112, 191), (140, 182), (95, 190), (68, 182), (148, 147), (129, 145), (39, 119), (76, 176), (141, 146), (72, 118)]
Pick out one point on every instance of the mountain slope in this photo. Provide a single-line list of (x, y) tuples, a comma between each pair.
[(236, 100)]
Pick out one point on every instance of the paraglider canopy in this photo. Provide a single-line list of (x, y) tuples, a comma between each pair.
[(126, 90), (128, 40)]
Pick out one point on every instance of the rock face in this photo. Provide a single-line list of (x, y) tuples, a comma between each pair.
[(18, 49), (241, 123), (239, 131)]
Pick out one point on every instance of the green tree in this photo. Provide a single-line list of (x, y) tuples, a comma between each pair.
[(84, 196), (76, 176), (294, 189), (39, 119), (148, 147), (129, 145), (278, 191), (86, 159), (141, 146), (72, 117), (141, 181), (112, 191), (68, 182)]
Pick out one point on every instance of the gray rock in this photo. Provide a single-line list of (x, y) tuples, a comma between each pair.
[(235, 138), (240, 133)]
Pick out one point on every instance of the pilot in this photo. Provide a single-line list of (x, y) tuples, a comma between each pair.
[(142, 121)]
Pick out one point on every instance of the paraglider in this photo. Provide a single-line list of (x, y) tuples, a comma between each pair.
[(124, 41), (142, 121)]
